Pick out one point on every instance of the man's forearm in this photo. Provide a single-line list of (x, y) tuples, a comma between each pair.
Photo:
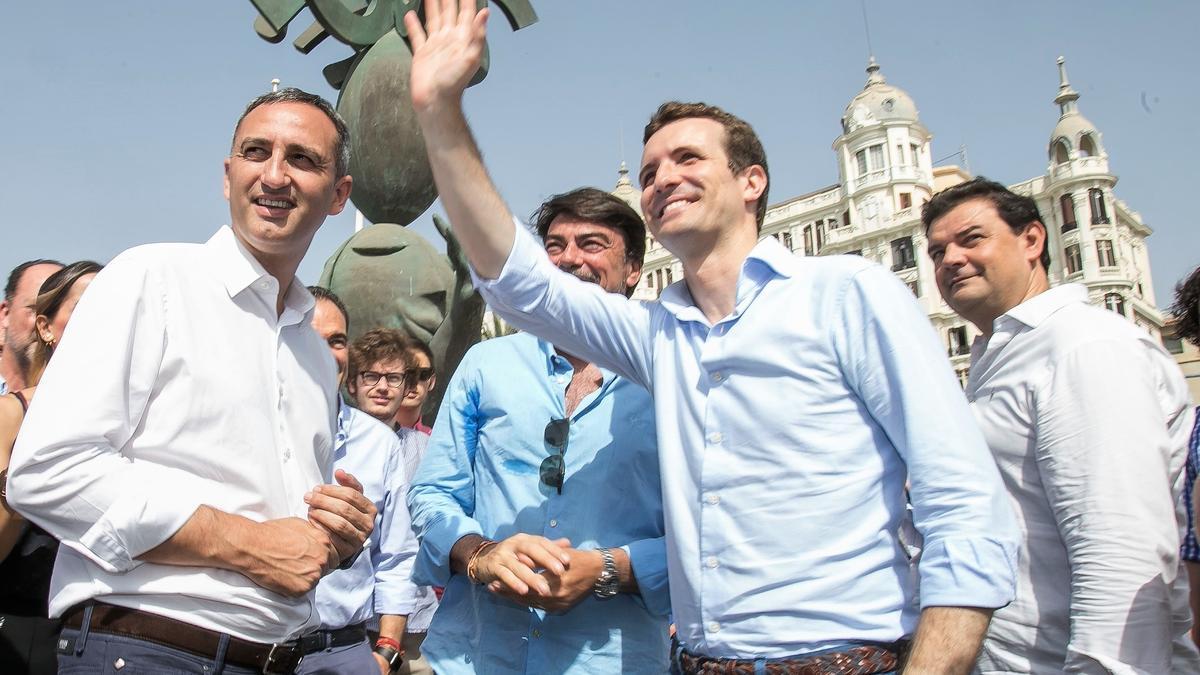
[(393, 626), (460, 553), (948, 640), (480, 218), (210, 538)]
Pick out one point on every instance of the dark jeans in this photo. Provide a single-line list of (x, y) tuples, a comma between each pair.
[(349, 660), (93, 652), (27, 644)]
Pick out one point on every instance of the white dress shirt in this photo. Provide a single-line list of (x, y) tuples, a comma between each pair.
[(786, 433), (1088, 419), (177, 384)]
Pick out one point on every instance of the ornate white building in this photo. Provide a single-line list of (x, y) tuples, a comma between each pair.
[(885, 174)]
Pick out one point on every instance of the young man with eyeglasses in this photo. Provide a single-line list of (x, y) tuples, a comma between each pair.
[(539, 456), (377, 377), (421, 379)]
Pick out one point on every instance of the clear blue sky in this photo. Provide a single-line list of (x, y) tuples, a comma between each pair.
[(116, 115)]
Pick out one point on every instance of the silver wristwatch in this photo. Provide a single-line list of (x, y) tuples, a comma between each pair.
[(607, 584)]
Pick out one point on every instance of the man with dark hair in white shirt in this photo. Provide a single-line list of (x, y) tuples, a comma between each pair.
[(180, 443), (1088, 419)]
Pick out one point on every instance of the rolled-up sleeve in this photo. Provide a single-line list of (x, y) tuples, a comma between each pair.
[(441, 500), (68, 473), (579, 317), (895, 363)]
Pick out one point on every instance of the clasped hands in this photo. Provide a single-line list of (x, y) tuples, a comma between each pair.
[(294, 553), (538, 572)]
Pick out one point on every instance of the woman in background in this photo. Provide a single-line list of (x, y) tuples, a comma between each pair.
[(27, 636)]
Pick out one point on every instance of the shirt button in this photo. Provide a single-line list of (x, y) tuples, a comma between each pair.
[(537, 633), (712, 562), (553, 523), (718, 376), (714, 627), (287, 454), (713, 500), (715, 437)]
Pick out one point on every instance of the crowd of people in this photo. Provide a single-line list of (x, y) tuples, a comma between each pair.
[(770, 469)]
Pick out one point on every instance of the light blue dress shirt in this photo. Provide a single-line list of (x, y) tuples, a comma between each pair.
[(380, 580), (480, 476), (787, 433)]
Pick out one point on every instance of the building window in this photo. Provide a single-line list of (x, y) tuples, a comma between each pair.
[(957, 338), (869, 159), (916, 154), (1087, 147), (808, 240), (832, 223), (1062, 154), (905, 200), (846, 216), (1074, 260), (658, 280), (670, 276), (1104, 252), (902, 254), (1099, 210), (1113, 302), (1067, 204), (819, 230), (900, 155), (787, 240), (1173, 345)]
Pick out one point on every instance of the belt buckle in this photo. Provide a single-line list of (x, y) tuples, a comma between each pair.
[(283, 655)]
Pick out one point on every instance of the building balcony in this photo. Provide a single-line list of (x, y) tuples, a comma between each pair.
[(904, 265), (1084, 166)]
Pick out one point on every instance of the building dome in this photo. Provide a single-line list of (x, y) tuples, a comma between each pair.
[(878, 102), (626, 192), (1080, 135)]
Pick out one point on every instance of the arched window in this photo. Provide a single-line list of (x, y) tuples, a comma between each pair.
[(1068, 212), (1087, 146), (1096, 201), (1062, 154), (1113, 302)]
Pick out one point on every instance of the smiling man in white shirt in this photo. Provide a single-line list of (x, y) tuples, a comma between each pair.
[(180, 443), (1087, 417)]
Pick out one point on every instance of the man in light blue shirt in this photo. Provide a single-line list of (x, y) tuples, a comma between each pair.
[(378, 583), (796, 397), (536, 452)]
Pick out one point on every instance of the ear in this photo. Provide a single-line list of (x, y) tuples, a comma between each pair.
[(635, 273), (756, 183), (1034, 241), (227, 161), (42, 326), (341, 193), (351, 385)]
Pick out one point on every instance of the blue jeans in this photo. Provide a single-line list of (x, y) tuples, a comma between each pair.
[(352, 659), (91, 652)]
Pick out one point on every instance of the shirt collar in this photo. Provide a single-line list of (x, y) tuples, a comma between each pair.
[(1042, 306), (239, 270), (549, 355), (767, 260)]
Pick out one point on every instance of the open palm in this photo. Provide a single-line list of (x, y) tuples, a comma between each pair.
[(447, 50)]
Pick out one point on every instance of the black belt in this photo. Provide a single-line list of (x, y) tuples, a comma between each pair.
[(281, 657), (330, 639)]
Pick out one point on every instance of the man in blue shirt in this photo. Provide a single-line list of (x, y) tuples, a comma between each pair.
[(1185, 315), (378, 583), (538, 455), (798, 397)]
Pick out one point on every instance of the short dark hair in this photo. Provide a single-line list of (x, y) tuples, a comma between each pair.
[(322, 293), (595, 206), (415, 345), (1186, 309), (379, 344), (741, 143), (293, 95), (14, 277), (1018, 211)]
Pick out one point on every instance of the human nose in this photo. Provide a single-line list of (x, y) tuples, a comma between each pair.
[(571, 256), (275, 173), (666, 177)]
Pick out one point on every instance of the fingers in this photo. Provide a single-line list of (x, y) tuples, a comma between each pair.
[(416, 34), (509, 579), (347, 479)]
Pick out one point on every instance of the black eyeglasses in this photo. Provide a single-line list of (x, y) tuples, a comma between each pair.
[(418, 374), (554, 467), (372, 378)]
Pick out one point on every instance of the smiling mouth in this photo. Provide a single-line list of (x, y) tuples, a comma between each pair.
[(671, 207), (274, 203)]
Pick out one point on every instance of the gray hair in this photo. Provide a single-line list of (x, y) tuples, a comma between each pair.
[(294, 95)]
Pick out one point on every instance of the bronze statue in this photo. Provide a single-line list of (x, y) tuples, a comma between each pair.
[(388, 275)]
